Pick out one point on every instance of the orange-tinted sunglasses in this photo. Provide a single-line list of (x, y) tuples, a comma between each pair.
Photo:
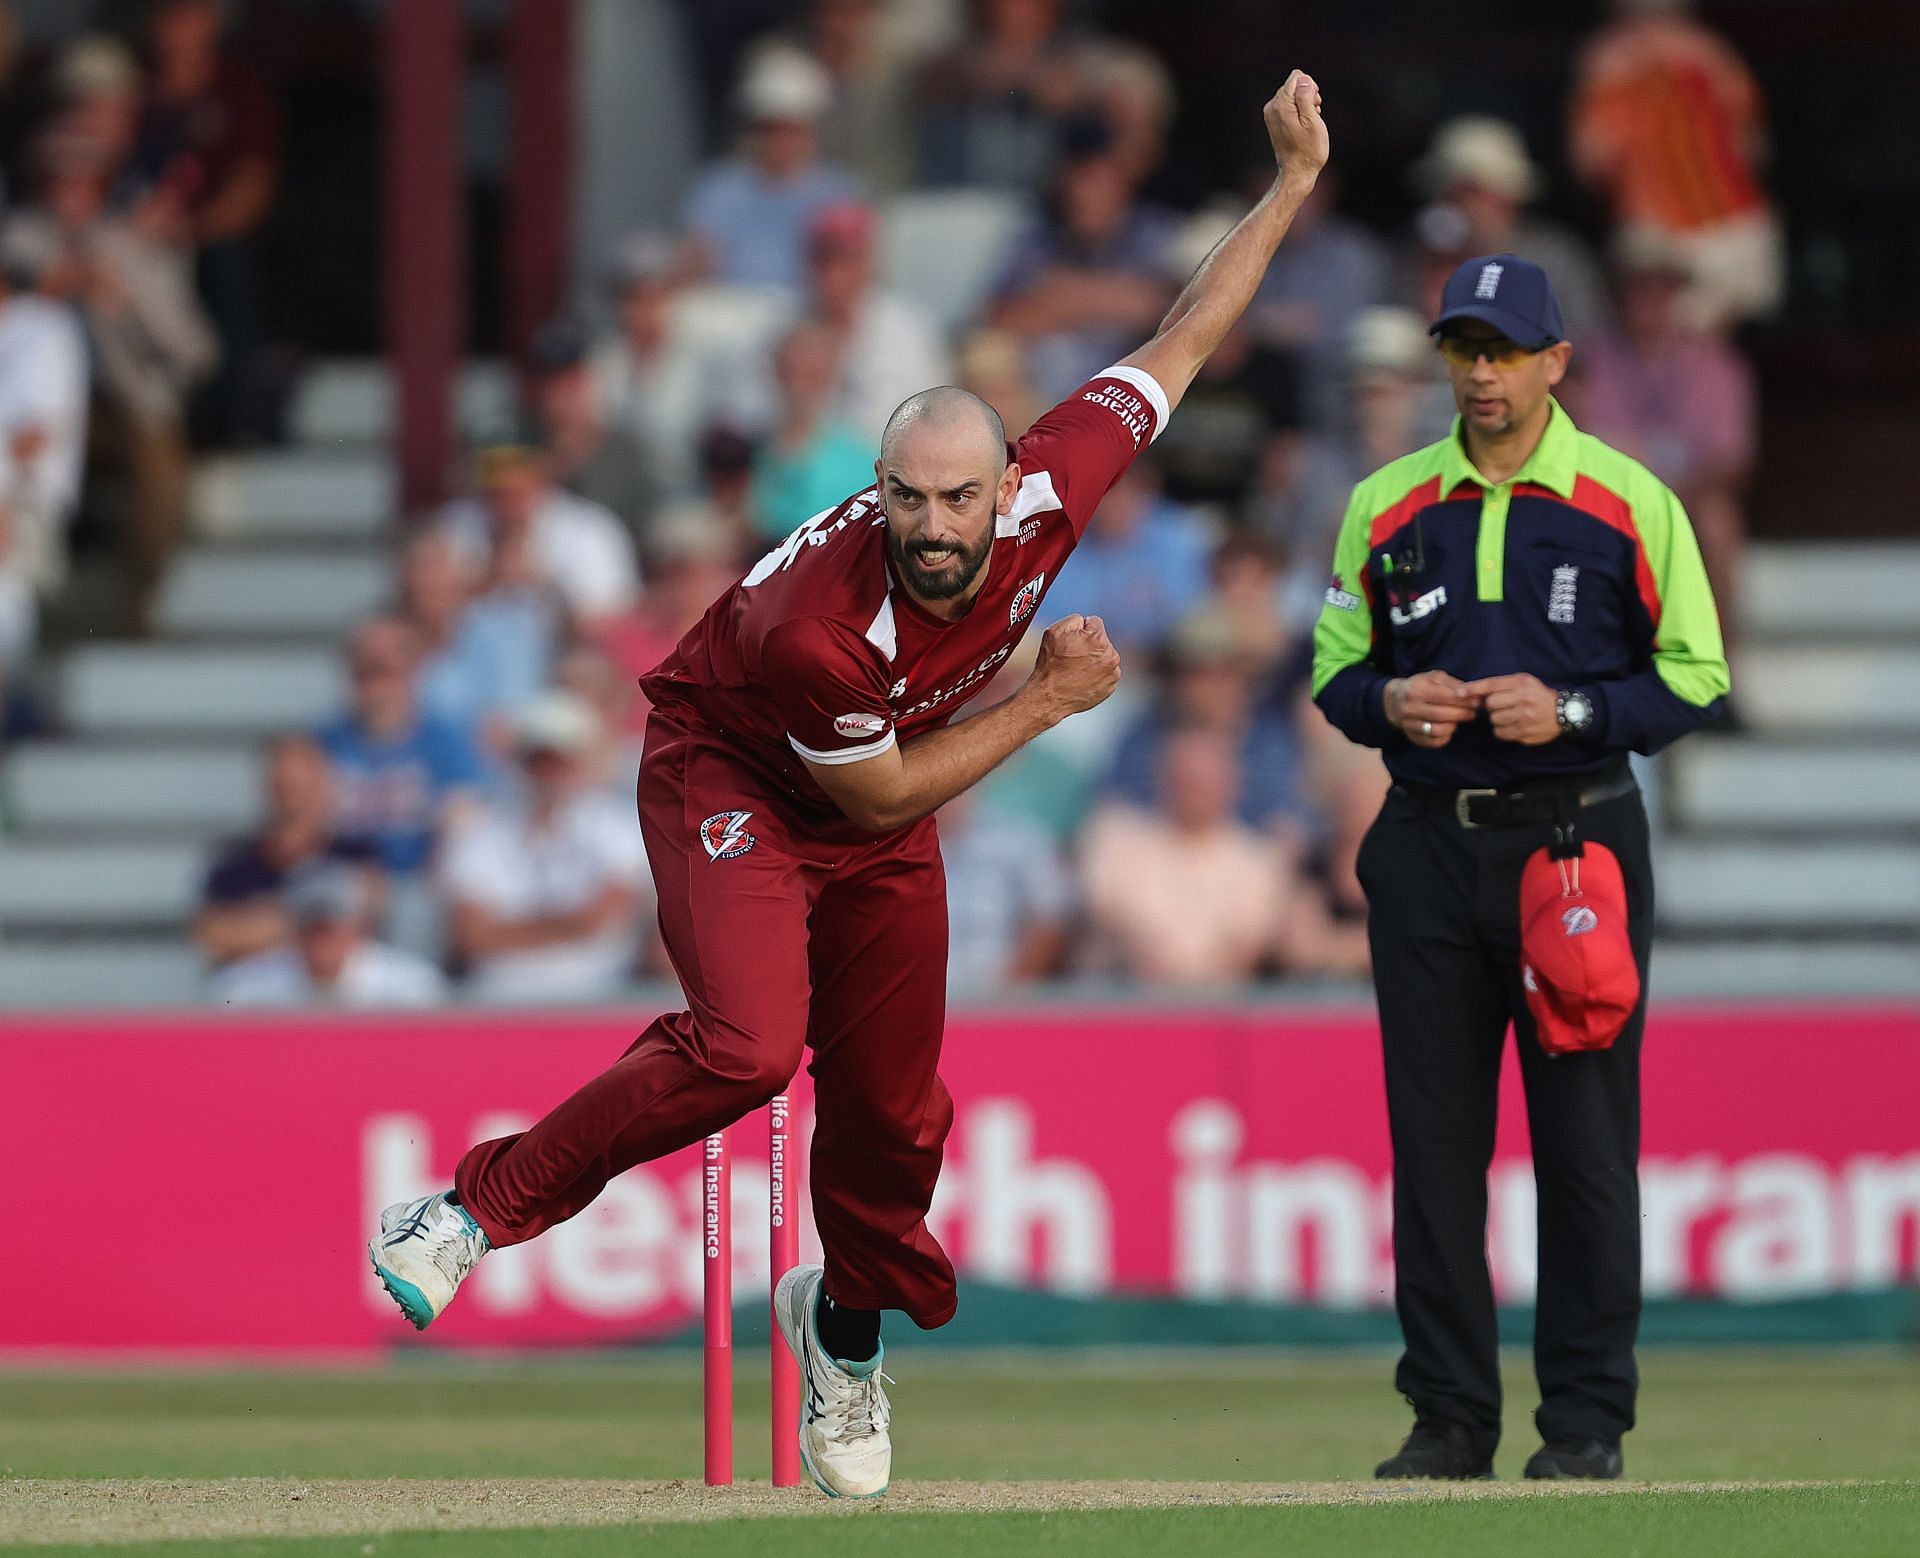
[(1463, 351)]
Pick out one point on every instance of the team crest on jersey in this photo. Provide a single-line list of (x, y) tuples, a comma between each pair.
[(725, 835), (1025, 600)]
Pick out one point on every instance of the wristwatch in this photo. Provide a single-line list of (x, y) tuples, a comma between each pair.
[(1574, 711)]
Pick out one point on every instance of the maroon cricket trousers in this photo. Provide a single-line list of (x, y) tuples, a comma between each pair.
[(781, 944)]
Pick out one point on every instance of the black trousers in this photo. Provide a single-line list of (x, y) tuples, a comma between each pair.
[(1443, 920)]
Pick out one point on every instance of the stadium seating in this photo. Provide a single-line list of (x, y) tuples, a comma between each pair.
[(1790, 859)]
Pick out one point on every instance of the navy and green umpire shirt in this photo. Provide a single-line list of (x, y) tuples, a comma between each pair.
[(1582, 570)]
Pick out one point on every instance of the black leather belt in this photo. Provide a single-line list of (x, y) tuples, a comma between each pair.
[(1526, 805)]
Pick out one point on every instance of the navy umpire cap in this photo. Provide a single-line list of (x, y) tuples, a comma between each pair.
[(1509, 293)]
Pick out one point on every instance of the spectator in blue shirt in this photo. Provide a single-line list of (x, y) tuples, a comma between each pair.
[(483, 655), (1211, 684), (401, 775), (747, 217), (1142, 566)]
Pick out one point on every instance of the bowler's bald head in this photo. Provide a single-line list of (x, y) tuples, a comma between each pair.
[(944, 412)]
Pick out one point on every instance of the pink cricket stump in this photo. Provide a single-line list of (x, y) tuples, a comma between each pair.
[(716, 1193), (783, 1247)]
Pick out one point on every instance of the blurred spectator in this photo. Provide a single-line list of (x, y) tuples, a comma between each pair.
[(612, 764), (101, 97), (481, 657), (747, 217), (1141, 567), (888, 348), (690, 565), (43, 423), (991, 106), (655, 381), (242, 911), (403, 778), (1479, 166), (1245, 395), (1683, 403), (1210, 684), (1394, 402), (330, 960), (1090, 280), (545, 894), (602, 458), (812, 459), (209, 142), (149, 341), (1668, 122), (1128, 87), (1249, 591), (521, 529), (871, 61), (1008, 894), (1345, 783), (993, 365), (1328, 270), (725, 502), (1226, 902)]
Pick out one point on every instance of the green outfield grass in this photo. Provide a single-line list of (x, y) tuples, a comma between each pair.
[(1748, 1416)]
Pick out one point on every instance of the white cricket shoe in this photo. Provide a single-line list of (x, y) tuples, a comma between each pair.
[(423, 1253), (843, 1411)]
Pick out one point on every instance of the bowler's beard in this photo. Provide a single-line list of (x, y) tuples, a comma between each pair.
[(946, 583)]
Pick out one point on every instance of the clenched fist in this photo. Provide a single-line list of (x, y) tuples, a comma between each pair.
[(1294, 125), (1078, 667)]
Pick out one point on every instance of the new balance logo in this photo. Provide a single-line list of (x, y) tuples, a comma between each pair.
[(1488, 285)]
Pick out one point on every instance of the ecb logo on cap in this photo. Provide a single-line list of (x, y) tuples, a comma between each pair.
[(1489, 283)]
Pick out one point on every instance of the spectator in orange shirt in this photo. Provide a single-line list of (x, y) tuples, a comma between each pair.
[(1668, 122)]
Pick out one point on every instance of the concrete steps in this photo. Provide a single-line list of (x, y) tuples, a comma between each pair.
[(1730, 887), (1715, 782), (166, 691), (67, 886), (279, 591), (124, 787), (349, 402)]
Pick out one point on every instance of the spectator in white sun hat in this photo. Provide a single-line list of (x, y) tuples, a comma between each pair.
[(1479, 166), (747, 216), (546, 892)]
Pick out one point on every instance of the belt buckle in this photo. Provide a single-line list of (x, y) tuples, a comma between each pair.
[(1461, 800)]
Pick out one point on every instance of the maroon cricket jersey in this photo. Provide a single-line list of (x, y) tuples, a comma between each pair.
[(819, 652)]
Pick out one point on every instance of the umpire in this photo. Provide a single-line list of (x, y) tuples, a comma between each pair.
[(1512, 611)]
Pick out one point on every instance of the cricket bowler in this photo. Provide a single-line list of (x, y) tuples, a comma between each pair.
[(798, 746)]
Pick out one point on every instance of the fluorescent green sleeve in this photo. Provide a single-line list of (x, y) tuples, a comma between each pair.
[(1687, 649), (1346, 684), (1343, 633)]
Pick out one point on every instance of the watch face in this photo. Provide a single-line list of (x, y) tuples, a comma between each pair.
[(1577, 711)]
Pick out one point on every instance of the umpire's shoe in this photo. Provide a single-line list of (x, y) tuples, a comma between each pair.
[(1446, 1451), (1591, 1458)]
